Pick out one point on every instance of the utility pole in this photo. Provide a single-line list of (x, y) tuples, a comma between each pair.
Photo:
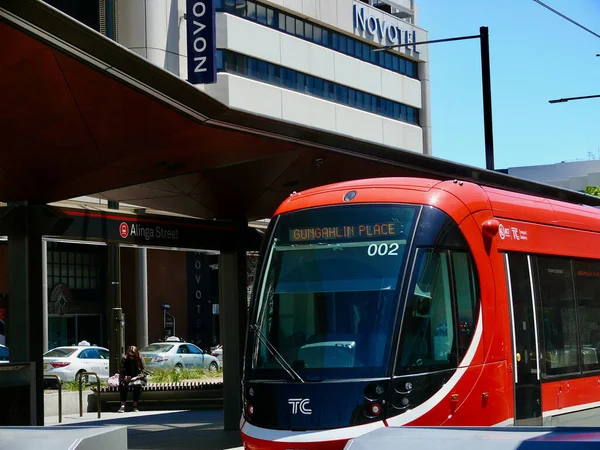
[(486, 83), (115, 322)]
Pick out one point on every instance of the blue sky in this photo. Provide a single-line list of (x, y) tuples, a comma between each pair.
[(535, 56)]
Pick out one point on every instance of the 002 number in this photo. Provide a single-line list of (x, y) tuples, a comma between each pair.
[(383, 249)]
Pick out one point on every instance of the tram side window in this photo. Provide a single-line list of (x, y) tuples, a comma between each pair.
[(466, 298), (587, 291), (427, 341), (559, 326)]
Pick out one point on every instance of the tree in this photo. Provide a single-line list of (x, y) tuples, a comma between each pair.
[(251, 266), (592, 190)]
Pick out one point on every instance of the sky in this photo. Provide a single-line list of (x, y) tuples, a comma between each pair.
[(535, 56)]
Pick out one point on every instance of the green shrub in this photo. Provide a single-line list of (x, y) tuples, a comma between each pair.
[(179, 375), (156, 376), (159, 376), (70, 386)]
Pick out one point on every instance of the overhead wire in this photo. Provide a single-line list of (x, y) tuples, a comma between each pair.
[(567, 18)]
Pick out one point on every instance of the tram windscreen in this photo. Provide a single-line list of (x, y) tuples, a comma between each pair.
[(329, 296)]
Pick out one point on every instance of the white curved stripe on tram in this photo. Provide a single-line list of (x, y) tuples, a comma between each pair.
[(334, 434), (505, 423), (571, 409), (423, 408)]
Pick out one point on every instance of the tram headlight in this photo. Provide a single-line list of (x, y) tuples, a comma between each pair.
[(250, 410), (251, 392), (375, 391)]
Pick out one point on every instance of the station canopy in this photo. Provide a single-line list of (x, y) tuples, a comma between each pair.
[(82, 115)]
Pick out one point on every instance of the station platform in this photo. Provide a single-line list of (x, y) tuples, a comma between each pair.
[(63, 438), (194, 429), (158, 430), (479, 438)]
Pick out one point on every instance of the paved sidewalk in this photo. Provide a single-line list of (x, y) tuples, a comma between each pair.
[(169, 430)]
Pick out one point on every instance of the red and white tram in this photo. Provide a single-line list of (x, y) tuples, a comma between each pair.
[(409, 301)]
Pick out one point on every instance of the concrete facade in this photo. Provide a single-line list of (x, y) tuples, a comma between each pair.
[(156, 30), (574, 175)]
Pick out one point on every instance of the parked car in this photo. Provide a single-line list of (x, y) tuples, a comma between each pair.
[(2, 332), (217, 352), (67, 362), (3, 354), (176, 353)]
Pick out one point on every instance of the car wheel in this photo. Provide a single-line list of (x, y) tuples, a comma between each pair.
[(213, 367), (178, 366)]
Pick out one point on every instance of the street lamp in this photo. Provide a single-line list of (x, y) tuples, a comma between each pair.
[(485, 82), (564, 100)]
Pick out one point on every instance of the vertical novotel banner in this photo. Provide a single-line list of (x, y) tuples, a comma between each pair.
[(200, 300), (201, 41)]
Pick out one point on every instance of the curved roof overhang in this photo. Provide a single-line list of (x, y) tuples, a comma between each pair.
[(82, 115)]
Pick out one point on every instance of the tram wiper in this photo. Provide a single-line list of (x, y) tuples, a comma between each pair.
[(280, 359)]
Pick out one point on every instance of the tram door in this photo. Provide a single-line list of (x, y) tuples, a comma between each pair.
[(526, 344)]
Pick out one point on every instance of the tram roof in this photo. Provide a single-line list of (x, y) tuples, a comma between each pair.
[(507, 204)]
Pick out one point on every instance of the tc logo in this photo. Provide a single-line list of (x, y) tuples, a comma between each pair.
[(124, 230), (299, 404)]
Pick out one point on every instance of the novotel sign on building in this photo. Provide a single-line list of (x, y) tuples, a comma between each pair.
[(382, 28), (201, 41)]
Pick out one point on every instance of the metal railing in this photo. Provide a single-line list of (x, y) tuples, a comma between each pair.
[(80, 378), (59, 383)]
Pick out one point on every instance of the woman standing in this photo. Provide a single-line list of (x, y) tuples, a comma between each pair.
[(132, 375)]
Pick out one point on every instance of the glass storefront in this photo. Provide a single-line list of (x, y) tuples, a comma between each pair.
[(75, 294), (72, 329)]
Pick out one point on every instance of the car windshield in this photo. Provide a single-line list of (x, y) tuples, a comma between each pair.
[(60, 352), (328, 301), (157, 348)]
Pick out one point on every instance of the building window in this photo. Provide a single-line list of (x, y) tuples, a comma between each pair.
[(77, 270), (303, 29), (251, 10), (261, 14), (85, 11), (231, 62)]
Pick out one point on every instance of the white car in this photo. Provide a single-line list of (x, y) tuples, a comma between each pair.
[(217, 352), (175, 353), (67, 362)]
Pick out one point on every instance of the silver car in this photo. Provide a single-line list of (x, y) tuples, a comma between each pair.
[(68, 362), (178, 354), (217, 352)]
